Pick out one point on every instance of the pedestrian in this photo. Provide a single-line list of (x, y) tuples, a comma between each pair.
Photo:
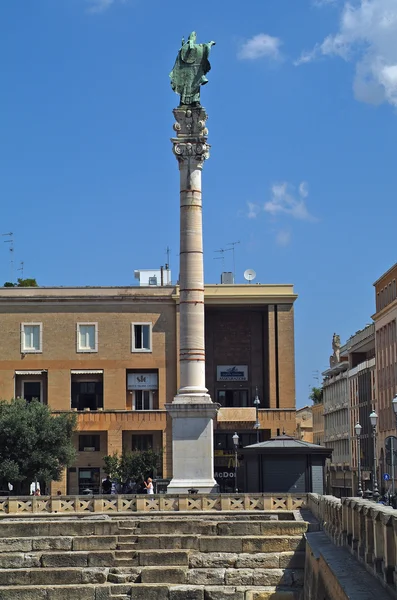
[(107, 485), (37, 492), (149, 486)]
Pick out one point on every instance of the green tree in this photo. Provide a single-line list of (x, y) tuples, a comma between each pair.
[(132, 466), (316, 395), (34, 444), (22, 283)]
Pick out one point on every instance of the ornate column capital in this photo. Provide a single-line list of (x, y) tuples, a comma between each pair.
[(191, 134)]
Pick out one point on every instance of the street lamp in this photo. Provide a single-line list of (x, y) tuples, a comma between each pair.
[(257, 424), (236, 440), (373, 417), (358, 429), (394, 405)]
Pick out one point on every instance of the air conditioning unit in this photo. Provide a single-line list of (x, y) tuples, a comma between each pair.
[(89, 449)]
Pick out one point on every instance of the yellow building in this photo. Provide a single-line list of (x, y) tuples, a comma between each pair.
[(110, 355), (318, 424), (304, 424)]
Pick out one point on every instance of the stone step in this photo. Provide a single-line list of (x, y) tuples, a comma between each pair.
[(251, 544), (55, 592), (149, 558), (254, 576), (52, 576), (193, 592), (229, 527), (269, 560)]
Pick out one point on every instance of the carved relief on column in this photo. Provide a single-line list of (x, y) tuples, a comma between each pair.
[(191, 132)]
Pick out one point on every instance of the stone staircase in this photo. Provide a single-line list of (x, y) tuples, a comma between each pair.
[(238, 556)]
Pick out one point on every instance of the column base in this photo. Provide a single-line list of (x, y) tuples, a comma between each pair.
[(192, 444)]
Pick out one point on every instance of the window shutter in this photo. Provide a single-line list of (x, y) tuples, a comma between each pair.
[(41, 337), (22, 339), (77, 337), (96, 337)]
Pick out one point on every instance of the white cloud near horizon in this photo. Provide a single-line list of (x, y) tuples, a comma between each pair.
[(261, 45), (285, 201), (367, 36)]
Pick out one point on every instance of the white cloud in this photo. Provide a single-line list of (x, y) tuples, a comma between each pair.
[(285, 201), (253, 210), (99, 6), (367, 36), (283, 238), (260, 46)]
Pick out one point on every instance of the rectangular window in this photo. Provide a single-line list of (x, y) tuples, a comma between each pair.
[(89, 443), (143, 399), (32, 390), (87, 337), (87, 395), (233, 398), (31, 337), (141, 337), (142, 442)]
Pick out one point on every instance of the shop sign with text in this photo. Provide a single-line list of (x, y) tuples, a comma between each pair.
[(232, 373)]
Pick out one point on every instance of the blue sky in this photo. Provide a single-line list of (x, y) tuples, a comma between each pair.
[(302, 121)]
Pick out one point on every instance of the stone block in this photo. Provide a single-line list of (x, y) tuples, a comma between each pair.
[(21, 593), (292, 560), (183, 542), (101, 559), (14, 577), (95, 543), (164, 574), (15, 544), (94, 575), (70, 593), (238, 576), (221, 544), (272, 595), (239, 528), (223, 593), (52, 543), (162, 558), (12, 561), (65, 559), (266, 544), (149, 592), (182, 592), (213, 560), (268, 577), (102, 593), (206, 577), (283, 528), (258, 561), (55, 576)]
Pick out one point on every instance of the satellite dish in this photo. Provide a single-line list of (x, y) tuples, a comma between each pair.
[(249, 275)]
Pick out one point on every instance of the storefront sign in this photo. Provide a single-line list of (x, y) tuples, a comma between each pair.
[(142, 381), (232, 373)]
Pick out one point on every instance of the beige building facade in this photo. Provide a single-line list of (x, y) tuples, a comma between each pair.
[(318, 423), (111, 356), (385, 319), (304, 424)]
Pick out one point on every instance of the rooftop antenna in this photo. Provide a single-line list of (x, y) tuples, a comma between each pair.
[(222, 258), (21, 268), (249, 275), (11, 242), (168, 252), (233, 244)]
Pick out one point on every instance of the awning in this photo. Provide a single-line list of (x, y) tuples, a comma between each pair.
[(30, 372), (87, 371)]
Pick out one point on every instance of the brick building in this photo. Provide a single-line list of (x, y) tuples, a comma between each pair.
[(110, 355)]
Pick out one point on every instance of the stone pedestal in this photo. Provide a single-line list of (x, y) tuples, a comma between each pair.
[(192, 410)]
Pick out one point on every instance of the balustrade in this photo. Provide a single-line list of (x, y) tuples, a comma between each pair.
[(369, 530)]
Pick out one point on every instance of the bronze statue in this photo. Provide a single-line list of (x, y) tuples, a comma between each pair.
[(190, 69)]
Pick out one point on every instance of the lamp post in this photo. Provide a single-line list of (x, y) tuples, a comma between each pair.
[(373, 417), (236, 440), (257, 424), (358, 429)]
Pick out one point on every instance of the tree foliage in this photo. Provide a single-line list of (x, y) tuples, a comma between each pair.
[(132, 466), (316, 395), (22, 283), (34, 444)]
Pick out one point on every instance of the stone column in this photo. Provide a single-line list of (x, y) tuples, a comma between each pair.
[(192, 410)]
